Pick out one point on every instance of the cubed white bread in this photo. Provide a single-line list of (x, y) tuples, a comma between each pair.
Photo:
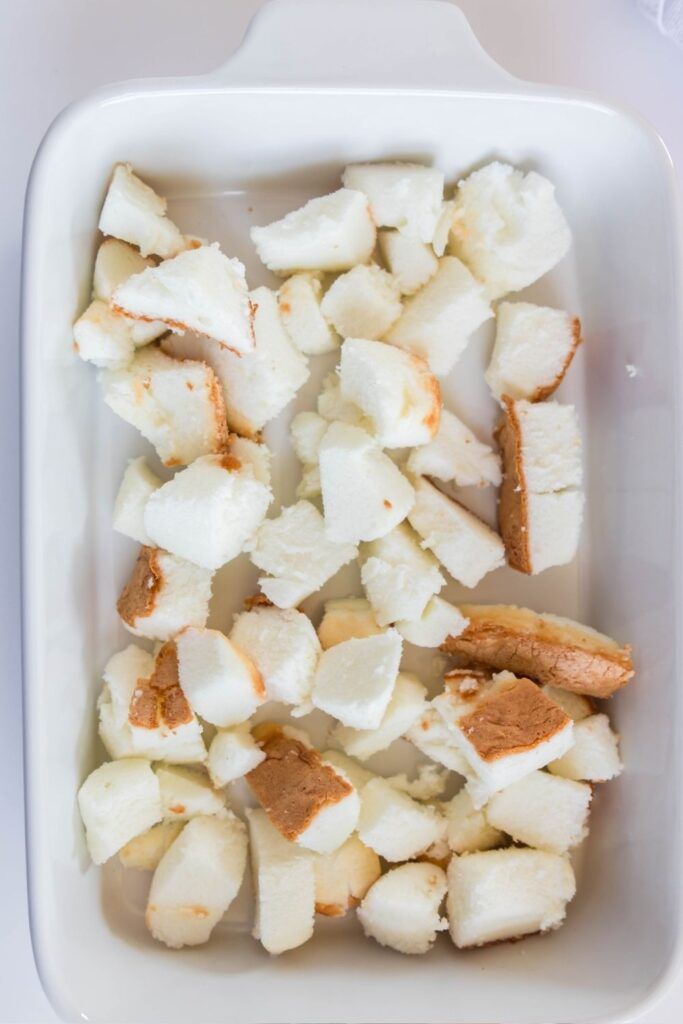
[(187, 793), (433, 738), (594, 756), (343, 877), (346, 618), (429, 783), (306, 431), (402, 195), (145, 851), (133, 212), (138, 483), (103, 338), (118, 801), (354, 772), (466, 546), (505, 894), (442, 231), (348, 455), (533, 349), (332, 406), (576, 705), (394, 825), (177, 405), (508, 227), (217, 491), (543, 811), (255, 454), (401, 910), (199, 290), (398, 576), (548, 442), (468, 829), (309, 486), (439, 620), (299, 299), (437, 322), (298, 553), (355, 679), (196, 880), (284, 881), (232, 753), (121, 674), (553, 529), (405, 707), (332, 232), (362, 303), (283, 645), (220, 681), (410, 261), (163, 594), (394, 389), (455, 454), (115, 262)]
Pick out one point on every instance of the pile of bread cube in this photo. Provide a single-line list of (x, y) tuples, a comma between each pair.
[(204, 770)]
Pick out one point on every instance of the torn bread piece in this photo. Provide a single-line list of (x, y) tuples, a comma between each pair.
[(163, 594), (297, 552), (355, 679), (233, 753), (402, 909), (429, 783), (433, 738), (220, 681), (133, 212), (187, 793), (305, 798), (438, 321), (466, 546), (177, 405), (343, 877), (283, 645), (533, 350), (576, 705), (347, 618), (398, 576), (508, 227), (505, 894), (595, 754), (394, 825), (332, 232), (299, 299), (394, 389), (146, 850), (349, 454), (544, 647), (115, 262), (200, 290), (362, 303), (405, 707), (284, 884), (120, 677), (410, 261), (439, 620), (468, 829), (196, 880), (455, 454), (103, 338), (543, 811), (402, 195), (137, 486), (332, 406), (306, 431), (117, 801)]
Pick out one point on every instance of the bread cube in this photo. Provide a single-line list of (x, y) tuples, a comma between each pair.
[(354, 772), (394, 389), (221, 493), (220, 681), (196, 880), (438, 621), (332, 232), (187, 793), (343, 877), (284, 884), (138, 483), (437, 322), (465, 545), (133, 212), (115, 262), (305, 798), (346, 618), (402, 195), (576, 705), (541, 444), (544, 647), (309, 486), (283, 645), (306, 431), (252, 454), (355, 679), (543, 811), (468, 829), (299, 299), (508, 227), (103, 338), (349, 454), (121, 674), (433, 738), (177, 405), (401, 910), (455, 454), (595, 754), (398, 576), (543, 532), (163, 594), (405, 707), (506, 894), (395, 826), (118, 801), (533, 350), (146, 850), (428, 784), (362, 303), (442, 231), (410, 261), (233, 753), (332, 406)]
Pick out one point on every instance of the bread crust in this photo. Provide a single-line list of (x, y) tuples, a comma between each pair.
[(513, 503), (159, 700), (138, 598)]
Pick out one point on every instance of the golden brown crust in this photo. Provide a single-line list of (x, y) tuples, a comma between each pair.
[(159, 700), (229, 462), (455, 677), (431, 384), (513, 502), (220, 415), (515, 717), (336, 909), (540, 394), (139, 596), (257, 601)]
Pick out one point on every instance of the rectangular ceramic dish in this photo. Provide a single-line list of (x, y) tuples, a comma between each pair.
[(315, 85)]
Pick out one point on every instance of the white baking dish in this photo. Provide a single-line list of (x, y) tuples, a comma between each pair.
[(314, 86)]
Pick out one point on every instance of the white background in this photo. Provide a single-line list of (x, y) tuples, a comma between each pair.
[(54, 51)]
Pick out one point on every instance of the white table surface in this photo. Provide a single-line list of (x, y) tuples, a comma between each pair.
[(53, 51)]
